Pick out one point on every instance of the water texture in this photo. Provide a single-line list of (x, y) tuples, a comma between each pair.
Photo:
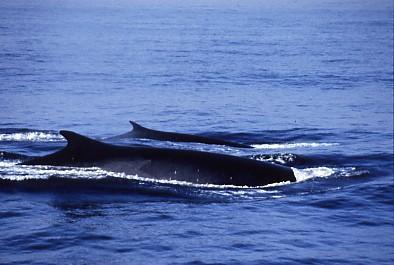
[(308, 84)]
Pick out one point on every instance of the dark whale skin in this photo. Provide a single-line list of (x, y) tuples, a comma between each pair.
[(163, 163), (146, 133)]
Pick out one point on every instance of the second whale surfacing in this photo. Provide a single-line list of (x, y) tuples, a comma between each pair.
[(165, 164), (146, 133)]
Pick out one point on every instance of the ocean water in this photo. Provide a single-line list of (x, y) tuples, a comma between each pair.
[(308, 83)]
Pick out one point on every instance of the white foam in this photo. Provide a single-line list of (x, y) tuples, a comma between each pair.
[(283, 158), (325, 172), (308, 173), (12, 171), (246, 193), (277, 184), (31, 136), (292, 145), (179, 182)]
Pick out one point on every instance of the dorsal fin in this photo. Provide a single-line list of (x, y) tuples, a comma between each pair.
[(137, 127), (77, 140)]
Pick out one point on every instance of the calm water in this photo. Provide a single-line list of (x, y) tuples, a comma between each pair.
[(309, 85)]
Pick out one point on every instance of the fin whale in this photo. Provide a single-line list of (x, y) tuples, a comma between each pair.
[(163, 163), (146, 133)]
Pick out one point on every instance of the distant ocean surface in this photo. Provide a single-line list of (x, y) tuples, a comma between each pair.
[(308, 83)]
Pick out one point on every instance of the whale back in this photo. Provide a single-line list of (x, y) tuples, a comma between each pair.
[(161, 163), (143, 132), (79, 148)]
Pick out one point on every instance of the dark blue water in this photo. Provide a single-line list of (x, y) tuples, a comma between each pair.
[(309, 85)]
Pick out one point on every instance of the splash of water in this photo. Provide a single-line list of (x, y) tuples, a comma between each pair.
[(292, 145), (31, 136)]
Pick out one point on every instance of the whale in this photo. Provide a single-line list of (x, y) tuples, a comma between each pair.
[(142, 132), (196, 167)]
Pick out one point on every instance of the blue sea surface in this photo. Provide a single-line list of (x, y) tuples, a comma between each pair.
[(309, 84)]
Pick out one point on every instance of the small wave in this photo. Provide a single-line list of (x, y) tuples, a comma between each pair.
[(11, 171), (309, 173), (292, 145), (31, 136), (326, 172)]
